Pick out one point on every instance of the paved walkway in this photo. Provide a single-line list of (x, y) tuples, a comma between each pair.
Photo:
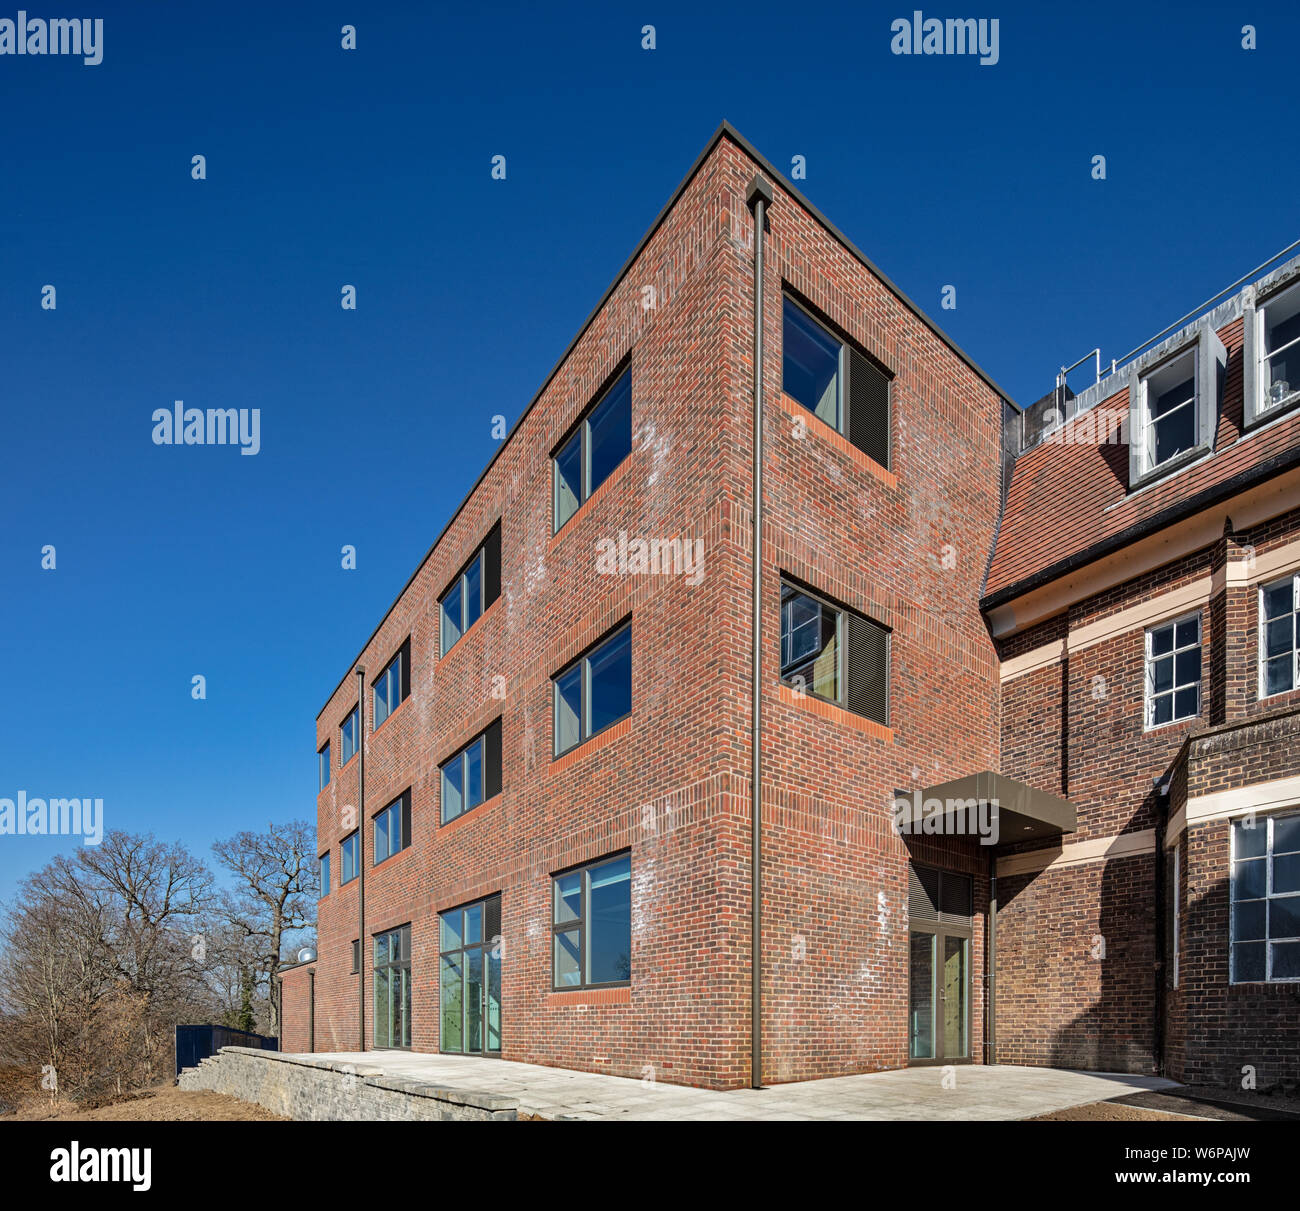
[(978, 1092)]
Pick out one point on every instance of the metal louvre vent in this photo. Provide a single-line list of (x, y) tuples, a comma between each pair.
[(868, 418), (491, 917), (939, 896), (867, 669)]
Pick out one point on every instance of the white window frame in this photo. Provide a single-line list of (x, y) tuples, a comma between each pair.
[(1262, 354), (1148, 696), (1261, 654), (1148, 423), (1267, 857)]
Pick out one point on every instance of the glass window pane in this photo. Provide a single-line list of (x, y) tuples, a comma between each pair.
[(1249, 879), (810, 364), (1162, 641), (1248, 841), (1248, 920), (566, 959), (1279, 636), (1162, 675), (568, 480), (474, 774), (1185, 703), (1286, 834), (453, 1002), (1187, 633), (473, 590), (1187, 666), (325, 875), (1279, 674), (610, 431), (1286, 960), (493, 1001), (800, 628), (611, 680), (568, 897), (1162, 710), (1247, 961), (609, 926), (1286, 874), (381, 836), (473, 924), (568, 709), (323, 766), (453, 802), (382, 1007), (1283, 918), (1277, 600), (474, 999), (450, 938), (449, 627)]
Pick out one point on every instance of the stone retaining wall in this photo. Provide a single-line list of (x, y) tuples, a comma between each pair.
[(321, 1090)]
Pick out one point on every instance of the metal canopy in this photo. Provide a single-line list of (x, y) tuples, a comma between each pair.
[(1023, 813)]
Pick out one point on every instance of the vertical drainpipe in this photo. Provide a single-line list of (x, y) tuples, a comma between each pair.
[(361, 856), (758, 200), (991, 965)]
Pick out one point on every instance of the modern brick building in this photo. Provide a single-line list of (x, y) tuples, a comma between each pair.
[(1012, 697)]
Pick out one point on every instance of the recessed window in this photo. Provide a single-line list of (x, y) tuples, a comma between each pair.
[(1173, 671), (1266, 899), (348, 858), (834, 653), (602, 441), (356, 955), (1278, 327), (1279, 637), (472, 775), (393, 685), (393, 828), (594, 692), (323, 765), (393, 988), (592, 924), (325, 874), (1169, 414), (475, 588), (469, 978), (834, 381), (348, 736)]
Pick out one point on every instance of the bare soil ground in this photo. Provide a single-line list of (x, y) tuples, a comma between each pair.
[(1104, 1112), (165, 1103)]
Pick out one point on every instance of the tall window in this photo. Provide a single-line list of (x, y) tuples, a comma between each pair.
[(325, 874), (592, 924), (602, 441), (393, 685), (469, 978), (393, 828), (1279, 351), (1266, 899), (393, 988), (1169, 412), (323, 765), (1279, 637), (348, 735), (834, 381), (594, 692), (476, 587), (472, 775), (834, 653), (1173, 671), (348, 858)]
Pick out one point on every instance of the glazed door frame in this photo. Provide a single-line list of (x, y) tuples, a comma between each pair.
[(949, 1008)]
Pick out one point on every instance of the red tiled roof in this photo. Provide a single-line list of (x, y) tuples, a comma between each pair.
[(1065, 497)]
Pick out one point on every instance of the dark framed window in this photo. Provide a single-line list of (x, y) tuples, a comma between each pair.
[(356, 955), (469, 978), (594, 692), (834, 380), (348, 734), (834, 653), (1279, 351), (325, 874), (392, 687), (1266, 899), (1279, 636), (477, 586), (473, 775), (601, 441), (323, 765), (348, 854), (592, 924), (393, 988), (393, 828), (1173, 671)]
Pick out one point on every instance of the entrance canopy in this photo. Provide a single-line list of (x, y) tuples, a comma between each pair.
[(1018, 812)]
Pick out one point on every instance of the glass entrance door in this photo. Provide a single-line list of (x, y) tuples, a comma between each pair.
[(469, 978), (938, 1003)]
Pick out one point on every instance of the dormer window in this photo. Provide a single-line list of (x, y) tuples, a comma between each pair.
[(1168, 410), (1275, 336)]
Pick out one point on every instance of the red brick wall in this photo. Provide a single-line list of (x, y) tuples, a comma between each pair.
[(295, 1008)]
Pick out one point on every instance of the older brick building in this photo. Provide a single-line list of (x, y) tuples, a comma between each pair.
[(548, 853)]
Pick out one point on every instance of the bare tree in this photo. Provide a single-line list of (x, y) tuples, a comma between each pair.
[(276, 888)]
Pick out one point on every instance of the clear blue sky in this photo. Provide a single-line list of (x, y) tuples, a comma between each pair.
[(371, 167)]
